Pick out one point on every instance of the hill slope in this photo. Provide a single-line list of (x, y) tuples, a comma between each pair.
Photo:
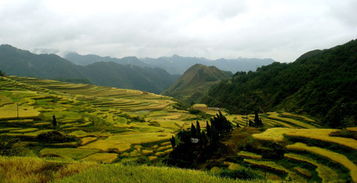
[(195, 82), (24, 63), (321, 83), (14, 61)]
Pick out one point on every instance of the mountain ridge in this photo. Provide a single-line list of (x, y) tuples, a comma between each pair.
[(19, 62), (175, 65)]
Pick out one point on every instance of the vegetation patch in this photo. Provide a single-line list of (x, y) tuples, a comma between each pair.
[(102, 157), (149, 174), (68, 153)]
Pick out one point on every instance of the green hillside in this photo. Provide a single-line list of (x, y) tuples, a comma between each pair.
[(195, 82), (18, 62), (321, 83)]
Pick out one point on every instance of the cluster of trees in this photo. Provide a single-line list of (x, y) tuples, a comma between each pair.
[(257, 121), (321, 83), (195, 146)]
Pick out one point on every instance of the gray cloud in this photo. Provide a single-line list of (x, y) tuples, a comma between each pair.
[(278, 29)]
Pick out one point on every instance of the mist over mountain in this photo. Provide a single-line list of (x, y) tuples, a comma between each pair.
[(175, 64), (178, 64), (19, 62), (91, 58)]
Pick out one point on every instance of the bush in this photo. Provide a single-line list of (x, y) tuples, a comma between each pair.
[(194, 111), (245, 174), (7, 146), (55, 137)]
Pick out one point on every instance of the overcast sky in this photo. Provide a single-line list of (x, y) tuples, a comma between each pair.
[(278, 29)]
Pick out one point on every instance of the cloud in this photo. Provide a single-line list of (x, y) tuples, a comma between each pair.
[(278, 29)]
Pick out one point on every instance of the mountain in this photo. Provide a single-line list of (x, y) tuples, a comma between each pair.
[(321, 83), (14, 61), (24, 63), (175, 65), (195, 82), (90, 59), (178, 65), (128, 76)]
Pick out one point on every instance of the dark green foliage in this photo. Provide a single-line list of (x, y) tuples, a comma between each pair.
[(196, 146), (321, 83), (1, 73), (220, 125), (55, 137), (246, 174), (7, 146), (194, 111), (173, 141)]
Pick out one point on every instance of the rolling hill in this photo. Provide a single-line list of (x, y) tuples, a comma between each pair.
[(195, 82), (19, 62), (321, 83)]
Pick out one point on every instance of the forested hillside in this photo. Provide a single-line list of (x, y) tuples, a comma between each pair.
[(19, 62), (195, 82), (321, 83)]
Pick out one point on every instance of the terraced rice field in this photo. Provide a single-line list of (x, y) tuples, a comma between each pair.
[(308, 153), (277, 119), (105, 121), (324, 172), (109, 125)]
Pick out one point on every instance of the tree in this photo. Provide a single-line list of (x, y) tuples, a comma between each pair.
[(198, 129), (54, 122), (257, 121), (195, 146), (221, 124), (193, 130), (173, 141)]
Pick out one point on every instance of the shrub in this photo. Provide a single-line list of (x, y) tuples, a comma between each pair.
[(7, 146), (245, 174), (55, 137)]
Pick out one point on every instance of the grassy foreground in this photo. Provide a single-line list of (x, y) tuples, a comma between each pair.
[(33, 170), (131, 174)]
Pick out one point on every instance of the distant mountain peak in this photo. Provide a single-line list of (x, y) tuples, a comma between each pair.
[(195, 81)]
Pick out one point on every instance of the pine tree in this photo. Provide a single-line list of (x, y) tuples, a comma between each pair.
[(193, 130), (173, 142), (54, 122), (257, 121), (208, 129), (198, 129)]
